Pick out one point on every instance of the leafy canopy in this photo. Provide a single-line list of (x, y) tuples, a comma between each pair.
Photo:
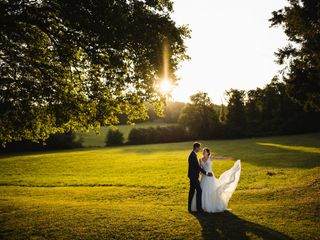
[(77, 64), (301, 57)]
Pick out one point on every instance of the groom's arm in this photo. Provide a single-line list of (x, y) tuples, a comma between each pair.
[(200, 168)]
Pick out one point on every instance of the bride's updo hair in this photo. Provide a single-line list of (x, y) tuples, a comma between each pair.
[(207, 150)]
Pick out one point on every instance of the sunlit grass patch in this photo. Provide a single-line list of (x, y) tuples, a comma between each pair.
[(294, 148)]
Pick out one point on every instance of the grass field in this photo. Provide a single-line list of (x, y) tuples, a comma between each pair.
[(91, 139), (140, 192)]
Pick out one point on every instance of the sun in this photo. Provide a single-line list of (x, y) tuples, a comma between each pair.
[(165, 86)]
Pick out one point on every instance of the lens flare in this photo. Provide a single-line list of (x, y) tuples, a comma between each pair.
[(165, 59), (165, 86)]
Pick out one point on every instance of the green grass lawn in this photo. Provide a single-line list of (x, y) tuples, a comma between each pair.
[(91, 139), (140, 192)]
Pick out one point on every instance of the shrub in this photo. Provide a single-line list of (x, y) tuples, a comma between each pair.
[(114, 138), (137, 136), (64, 141)]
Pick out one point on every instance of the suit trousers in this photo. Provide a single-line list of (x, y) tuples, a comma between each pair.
[(195, 186)]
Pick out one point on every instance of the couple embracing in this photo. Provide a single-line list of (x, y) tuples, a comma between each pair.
[(210, 194)]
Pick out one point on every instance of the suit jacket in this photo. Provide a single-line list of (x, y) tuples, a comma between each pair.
[(194, 168)]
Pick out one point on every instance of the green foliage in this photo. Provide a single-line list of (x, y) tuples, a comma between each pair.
[(114, 138), (140, 192), (158, 135), (301, 57), (258, 112), (236, 119), (64, 141), (78, 64), (172, 111), (270, 111), (67, 140), (200, 117)]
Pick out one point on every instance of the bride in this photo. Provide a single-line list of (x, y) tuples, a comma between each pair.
[(216, 192)]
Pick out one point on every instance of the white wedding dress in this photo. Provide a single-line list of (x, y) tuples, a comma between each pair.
[(216, 192)]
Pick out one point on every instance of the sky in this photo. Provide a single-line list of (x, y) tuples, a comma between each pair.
[(231, 46)]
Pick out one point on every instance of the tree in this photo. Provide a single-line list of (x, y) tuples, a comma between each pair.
[(270, 111), (172, 111), (114, 138), (254, 109), (236, 118), (200, 117), (77, 64), (301, 57)]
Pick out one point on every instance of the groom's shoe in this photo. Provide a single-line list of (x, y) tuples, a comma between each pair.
[(200, 211)]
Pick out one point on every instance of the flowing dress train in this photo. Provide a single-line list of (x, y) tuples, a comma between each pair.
[(216, 192)]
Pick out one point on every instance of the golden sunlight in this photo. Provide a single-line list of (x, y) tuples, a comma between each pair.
[(165, 86)]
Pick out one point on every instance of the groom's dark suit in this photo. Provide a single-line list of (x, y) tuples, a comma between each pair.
[(193, 174)]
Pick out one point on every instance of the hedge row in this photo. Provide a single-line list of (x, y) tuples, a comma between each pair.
[(158, 135)]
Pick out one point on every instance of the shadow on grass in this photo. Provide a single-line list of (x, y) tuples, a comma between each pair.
[(226, 225)]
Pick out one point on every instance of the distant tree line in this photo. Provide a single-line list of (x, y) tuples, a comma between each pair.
[(267, 111), (259, 112)]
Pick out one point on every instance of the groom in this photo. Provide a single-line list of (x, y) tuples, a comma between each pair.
[(193, 174)]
